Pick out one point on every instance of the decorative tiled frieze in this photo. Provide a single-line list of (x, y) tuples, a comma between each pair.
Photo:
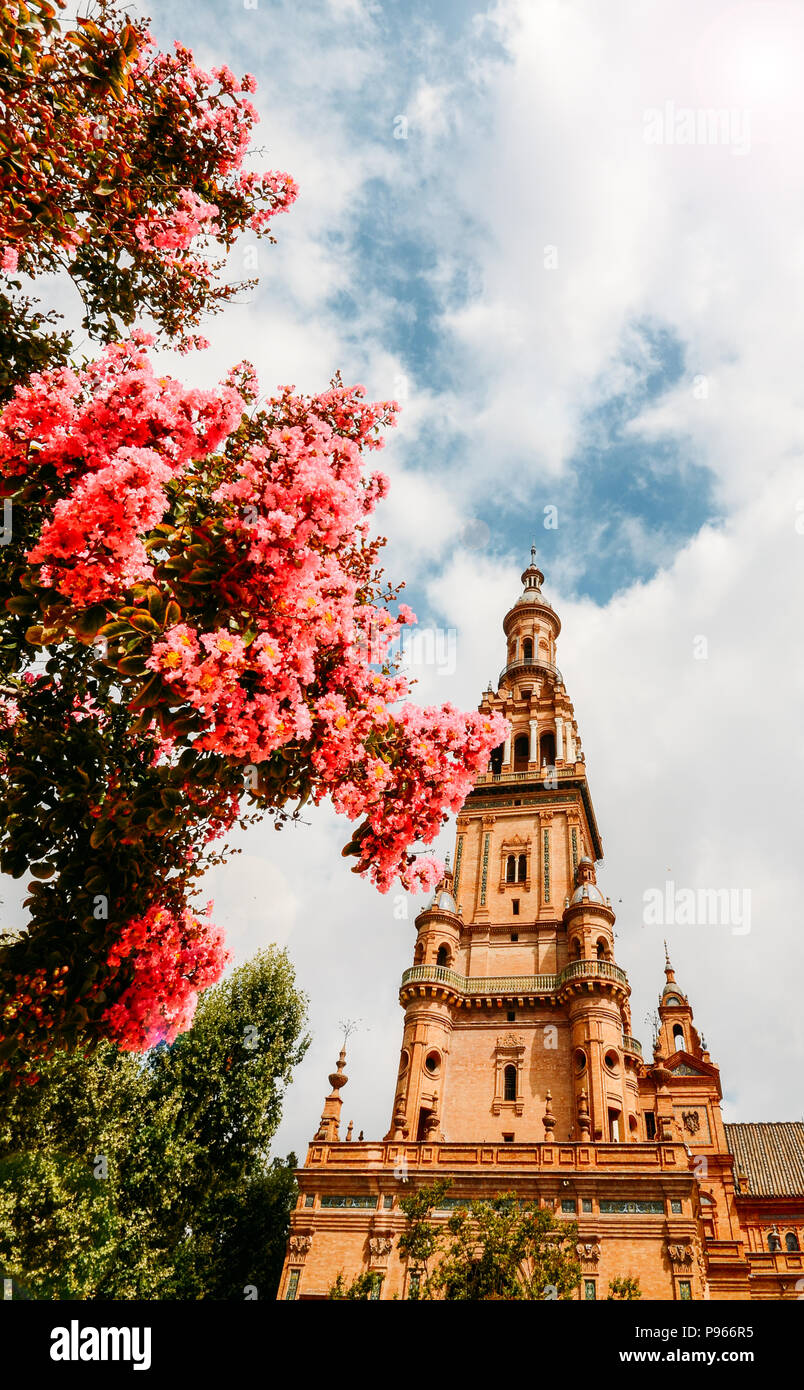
[(485, 874)]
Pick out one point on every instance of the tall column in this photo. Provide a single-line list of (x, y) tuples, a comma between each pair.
[(570, 745), (559, 737), (506, 758), (534, 740)]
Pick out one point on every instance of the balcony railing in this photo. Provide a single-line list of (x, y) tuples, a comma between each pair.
[(514, 984), (537, 775), (600, 969), (631, 1045), (480, 984), (534, 663)]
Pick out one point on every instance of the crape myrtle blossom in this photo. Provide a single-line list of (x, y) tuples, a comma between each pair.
[(214, 563), (173, 959), (126, 170)]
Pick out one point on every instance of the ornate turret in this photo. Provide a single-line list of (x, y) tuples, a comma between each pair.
[(676, 1030)]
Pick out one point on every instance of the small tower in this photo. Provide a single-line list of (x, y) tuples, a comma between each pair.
[(676, 1031), (428, 1018), (604, 1062)]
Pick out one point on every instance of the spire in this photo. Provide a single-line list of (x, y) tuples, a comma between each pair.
[(331, 1114), (668, 969)]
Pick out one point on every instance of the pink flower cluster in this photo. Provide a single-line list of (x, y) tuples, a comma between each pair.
[(173, 958), (176, 229), (281, 189), (9, 712), (9, 259), (117, 434)]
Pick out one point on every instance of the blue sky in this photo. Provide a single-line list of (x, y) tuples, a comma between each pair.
[(572, 316)]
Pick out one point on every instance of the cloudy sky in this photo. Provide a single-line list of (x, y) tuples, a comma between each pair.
[(569, 238)]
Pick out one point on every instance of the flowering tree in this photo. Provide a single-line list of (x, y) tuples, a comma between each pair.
[(123, 167), (196, 631)]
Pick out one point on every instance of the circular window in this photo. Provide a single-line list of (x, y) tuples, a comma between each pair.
[(612, 1060), (580, 1059), (432, 1062)]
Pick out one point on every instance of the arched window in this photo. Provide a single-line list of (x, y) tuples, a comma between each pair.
[(774, 1243), (418, 954), (575, 949), (678, 1037), (523, 868), (521, 753), (602, 953), (547, 749), (443, 956), (527, 649), (495, 762), (509, 1082), (510, 869), (790, 1241)]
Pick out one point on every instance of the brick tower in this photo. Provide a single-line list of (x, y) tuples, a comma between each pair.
[(517, 1070)]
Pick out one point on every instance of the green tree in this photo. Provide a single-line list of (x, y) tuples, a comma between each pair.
[(363, 1286), (130, 1177), (624, 1288), (498, 1248)]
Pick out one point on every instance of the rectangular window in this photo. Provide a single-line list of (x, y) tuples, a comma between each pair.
[(685, 1290), (376, 1285), (650, 1124), (568, 1204), (414, 1284), (632, 1208), (349, 1202), (614, 1126), (589, 1290), (508, 1138), (515, 906), (511, 1016), (586, 1204), (293, 1284), (309, 1200), (675, 1208), (387, 1203)]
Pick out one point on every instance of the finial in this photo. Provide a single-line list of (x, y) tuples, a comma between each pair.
[(330, 1117), (350, 1127), (548, 1118), (533, 554), (668, 969), (584, 1122), (447, 858)]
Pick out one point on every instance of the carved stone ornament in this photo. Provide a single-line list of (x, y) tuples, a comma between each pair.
[(379, 1249), (299, 1246), (588, 1251), (680, 1254), (692, 1121)]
